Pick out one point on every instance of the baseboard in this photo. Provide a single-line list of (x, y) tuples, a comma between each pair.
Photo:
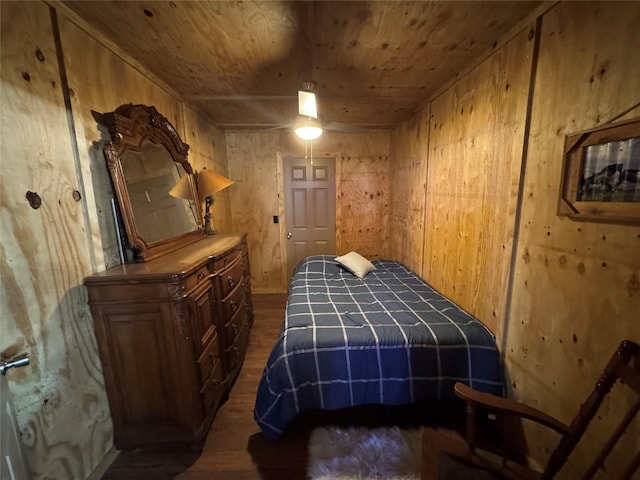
[(104, 464)]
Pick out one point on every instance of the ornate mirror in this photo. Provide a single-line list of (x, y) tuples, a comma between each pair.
[(146, 158)]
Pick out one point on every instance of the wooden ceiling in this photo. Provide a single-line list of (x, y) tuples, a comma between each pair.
[(374, 62)]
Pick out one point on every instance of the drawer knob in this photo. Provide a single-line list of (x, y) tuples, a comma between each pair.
[(201, 275), (230, 281), (233, 305), (213, 357), (226, 261), (235, 329)]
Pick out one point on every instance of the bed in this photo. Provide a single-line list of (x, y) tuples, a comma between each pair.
[(388, 338)]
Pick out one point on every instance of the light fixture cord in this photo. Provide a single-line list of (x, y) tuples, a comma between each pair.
[(308, 151)]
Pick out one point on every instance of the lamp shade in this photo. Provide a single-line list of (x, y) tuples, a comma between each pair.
[(307, 128), (209, 182), (307, 104), (182, 189)]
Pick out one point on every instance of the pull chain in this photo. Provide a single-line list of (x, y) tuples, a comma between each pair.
[(308, 147)]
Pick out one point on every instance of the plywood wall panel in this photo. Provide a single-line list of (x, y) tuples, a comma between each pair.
[(55, 152), (364, 200), (362, 189), (408, 165), (254, 202), (475, 147), (207, 150), (100, 80), (45, 256), (576, 293)]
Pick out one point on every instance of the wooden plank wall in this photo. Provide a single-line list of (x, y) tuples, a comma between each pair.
[(409, 144), (475, 151), (101, 81), (570, 278), (60, 401), (575, 291), (362, 189), (207, 150), (45, 255)]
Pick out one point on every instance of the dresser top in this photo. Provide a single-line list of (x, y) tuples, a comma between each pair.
[(177, 263)]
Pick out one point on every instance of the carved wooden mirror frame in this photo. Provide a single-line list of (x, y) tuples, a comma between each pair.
[(130, 127)]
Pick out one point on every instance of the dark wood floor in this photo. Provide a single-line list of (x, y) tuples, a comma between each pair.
[(236, 449)]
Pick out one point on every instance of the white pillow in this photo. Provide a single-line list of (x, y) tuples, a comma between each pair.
[(355, 263)]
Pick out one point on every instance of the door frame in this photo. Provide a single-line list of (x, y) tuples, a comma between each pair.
[(282, 222)]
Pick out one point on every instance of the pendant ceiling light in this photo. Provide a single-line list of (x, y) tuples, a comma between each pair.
[(307, 104), (307, 128)]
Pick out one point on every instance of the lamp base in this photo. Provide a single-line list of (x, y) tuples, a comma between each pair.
[(209, 231), (207, 216)]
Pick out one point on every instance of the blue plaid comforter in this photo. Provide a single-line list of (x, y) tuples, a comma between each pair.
[(386, 339)]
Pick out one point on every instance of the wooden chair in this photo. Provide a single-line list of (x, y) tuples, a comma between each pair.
[(469, 455)]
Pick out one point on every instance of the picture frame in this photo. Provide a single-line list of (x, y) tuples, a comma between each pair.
[(601, 174)]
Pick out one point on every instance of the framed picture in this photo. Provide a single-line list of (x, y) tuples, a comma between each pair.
[(601, 174)]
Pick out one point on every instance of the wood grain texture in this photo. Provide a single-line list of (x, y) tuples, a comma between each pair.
[(475, 151), (192, 311), (364, 198), (254, 201), (362, 188), (207, 150), (374, 62), (237, 449), (47, 252), (409, 147), (45, 255), (102, 81), (576, 285)]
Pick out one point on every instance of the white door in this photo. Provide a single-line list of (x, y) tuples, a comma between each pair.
[(310, 208)]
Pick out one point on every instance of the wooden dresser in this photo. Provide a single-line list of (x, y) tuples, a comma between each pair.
[(172, 334)]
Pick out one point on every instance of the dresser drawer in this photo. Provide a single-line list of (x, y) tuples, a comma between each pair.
[(232, 302), (200, 275), (202, 301), (235, 353), (214, 387), (223, 262), (209, 361), (231, 277), (235, 324)]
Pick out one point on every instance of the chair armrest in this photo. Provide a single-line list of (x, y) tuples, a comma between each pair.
[(497, 404)]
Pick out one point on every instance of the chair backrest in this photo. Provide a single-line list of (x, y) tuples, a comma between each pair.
[(624, 366)]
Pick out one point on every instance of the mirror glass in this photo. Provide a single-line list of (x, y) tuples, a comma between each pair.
[(149, 175), (146, 158)]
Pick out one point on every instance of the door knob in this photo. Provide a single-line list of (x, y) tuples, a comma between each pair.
[(289, 235), (19, 361)]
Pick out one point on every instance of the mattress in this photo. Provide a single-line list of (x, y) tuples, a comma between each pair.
[(388, 339)]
